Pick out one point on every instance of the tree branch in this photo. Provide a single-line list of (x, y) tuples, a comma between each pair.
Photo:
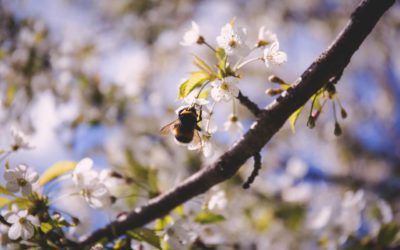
[(329, 64)]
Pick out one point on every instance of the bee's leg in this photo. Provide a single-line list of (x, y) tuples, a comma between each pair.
[(197, 127), (199, 118)]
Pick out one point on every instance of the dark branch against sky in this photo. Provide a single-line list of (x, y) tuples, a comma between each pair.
[(327, 67)]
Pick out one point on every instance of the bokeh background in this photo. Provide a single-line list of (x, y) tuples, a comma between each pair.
[(100, 78)]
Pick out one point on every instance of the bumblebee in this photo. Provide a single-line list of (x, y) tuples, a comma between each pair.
[(185, 128)]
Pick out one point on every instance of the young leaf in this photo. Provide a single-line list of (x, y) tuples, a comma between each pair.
[(146, 235), (4, 201), (45, 227), (207, 217), (196, 80), (220, 53), (202, 65), (4, 191), (293, 118), (56, 170)]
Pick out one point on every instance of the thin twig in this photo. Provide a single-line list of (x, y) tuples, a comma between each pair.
[(250, 105), (254, 173)]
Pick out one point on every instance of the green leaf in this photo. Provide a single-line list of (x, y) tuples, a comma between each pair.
[(58, 169), (4, 201), (162, 223), (196, 80), (207, 217), (20, 202), (387, 234), (4, 191), (45, 227), (293, 118), (202, 65), (147, 235)]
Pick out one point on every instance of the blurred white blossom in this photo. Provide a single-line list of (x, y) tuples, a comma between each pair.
[(217, 201), (20, 179), (19, 140), (265, 37), (233, 125), (350, 217), (192, 36)]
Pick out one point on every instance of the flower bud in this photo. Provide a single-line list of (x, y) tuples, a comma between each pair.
[(311, 122), (343, 113), (276, 79), (200, 40), (273, 92), (338, 129)]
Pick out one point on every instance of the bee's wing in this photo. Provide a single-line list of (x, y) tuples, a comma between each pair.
[(168, 128), (197, 139)]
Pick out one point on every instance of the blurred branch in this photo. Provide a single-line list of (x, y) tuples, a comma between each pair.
[(329, 64)]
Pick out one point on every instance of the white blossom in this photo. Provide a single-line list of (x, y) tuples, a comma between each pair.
[(265, 37), (19, 140), (233, 40), (300, 193), (272, 55), (218, 201), (22, 224), (233, 125), (89, 184), (95, 193), (20, 179), (192, 36), (83, 172), (224, 89)]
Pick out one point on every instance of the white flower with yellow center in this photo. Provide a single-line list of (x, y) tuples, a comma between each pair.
[(233, 125), (265, 37), (19, 140), (22, 224), (224, 89), (20, 178), (192, 36), (272, 55), (233, 40)]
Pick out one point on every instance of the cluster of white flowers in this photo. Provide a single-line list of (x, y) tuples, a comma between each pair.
[(232, 41), (89, 184)]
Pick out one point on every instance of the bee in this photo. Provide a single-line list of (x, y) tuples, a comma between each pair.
[(185, 128)]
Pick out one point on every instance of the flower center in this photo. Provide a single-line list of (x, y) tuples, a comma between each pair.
[(22, 220), (232, 43), (21, 182), (224, 86)]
